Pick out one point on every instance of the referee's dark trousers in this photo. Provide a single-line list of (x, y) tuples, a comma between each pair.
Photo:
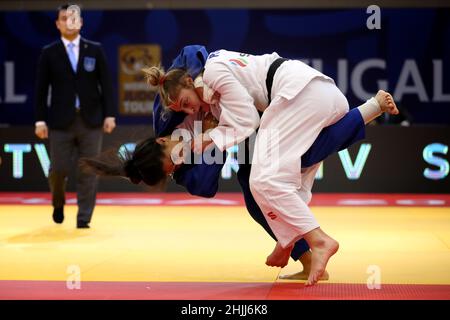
[(66, 147)]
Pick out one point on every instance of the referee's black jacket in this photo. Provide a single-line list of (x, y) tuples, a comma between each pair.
[(91, 82)]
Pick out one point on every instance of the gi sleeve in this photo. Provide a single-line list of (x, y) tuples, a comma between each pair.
[(239, 117), (200, 179)]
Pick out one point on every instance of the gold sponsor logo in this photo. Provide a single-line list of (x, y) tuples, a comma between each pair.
[(136, 97)]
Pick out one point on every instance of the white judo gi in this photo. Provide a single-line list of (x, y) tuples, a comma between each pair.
[(304, 101)]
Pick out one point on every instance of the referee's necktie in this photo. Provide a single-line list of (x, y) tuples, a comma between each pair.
[(73, 62)]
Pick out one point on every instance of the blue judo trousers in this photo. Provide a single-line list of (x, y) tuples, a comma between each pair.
[(203, 179)]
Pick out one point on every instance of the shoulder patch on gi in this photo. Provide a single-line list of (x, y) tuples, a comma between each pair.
[(239, 62)]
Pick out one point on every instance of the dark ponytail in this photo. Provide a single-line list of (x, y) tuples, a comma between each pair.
[(145, 163)]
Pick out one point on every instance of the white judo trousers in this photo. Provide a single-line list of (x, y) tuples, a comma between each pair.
[(287, 130), (304, 101)]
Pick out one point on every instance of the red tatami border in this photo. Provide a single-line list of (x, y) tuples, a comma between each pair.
[(232, 199)]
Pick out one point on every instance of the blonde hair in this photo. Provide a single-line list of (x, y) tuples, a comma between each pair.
[(169, 84)]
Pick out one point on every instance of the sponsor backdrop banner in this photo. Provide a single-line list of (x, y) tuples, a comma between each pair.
[(405, 51), (136, 98), (392, 159)]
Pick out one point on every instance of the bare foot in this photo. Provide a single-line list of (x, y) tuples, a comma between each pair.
[(386, 102), (303, 275), (305, 260), (320, 256), (279, 256)]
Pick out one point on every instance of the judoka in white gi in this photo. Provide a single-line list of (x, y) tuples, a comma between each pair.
[(297, 102)]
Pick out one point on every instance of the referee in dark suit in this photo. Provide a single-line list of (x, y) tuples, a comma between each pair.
[(80, 107)]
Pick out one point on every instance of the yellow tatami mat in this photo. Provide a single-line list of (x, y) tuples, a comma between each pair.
[(218, 244)]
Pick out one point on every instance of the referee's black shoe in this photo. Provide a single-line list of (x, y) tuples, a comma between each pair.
[(58, 215), (83, 225)]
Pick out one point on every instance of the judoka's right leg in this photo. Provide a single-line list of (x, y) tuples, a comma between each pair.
[(308, 177), (300, 247), (287, 129)]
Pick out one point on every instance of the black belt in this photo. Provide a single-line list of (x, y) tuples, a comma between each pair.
[(270, 74)]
